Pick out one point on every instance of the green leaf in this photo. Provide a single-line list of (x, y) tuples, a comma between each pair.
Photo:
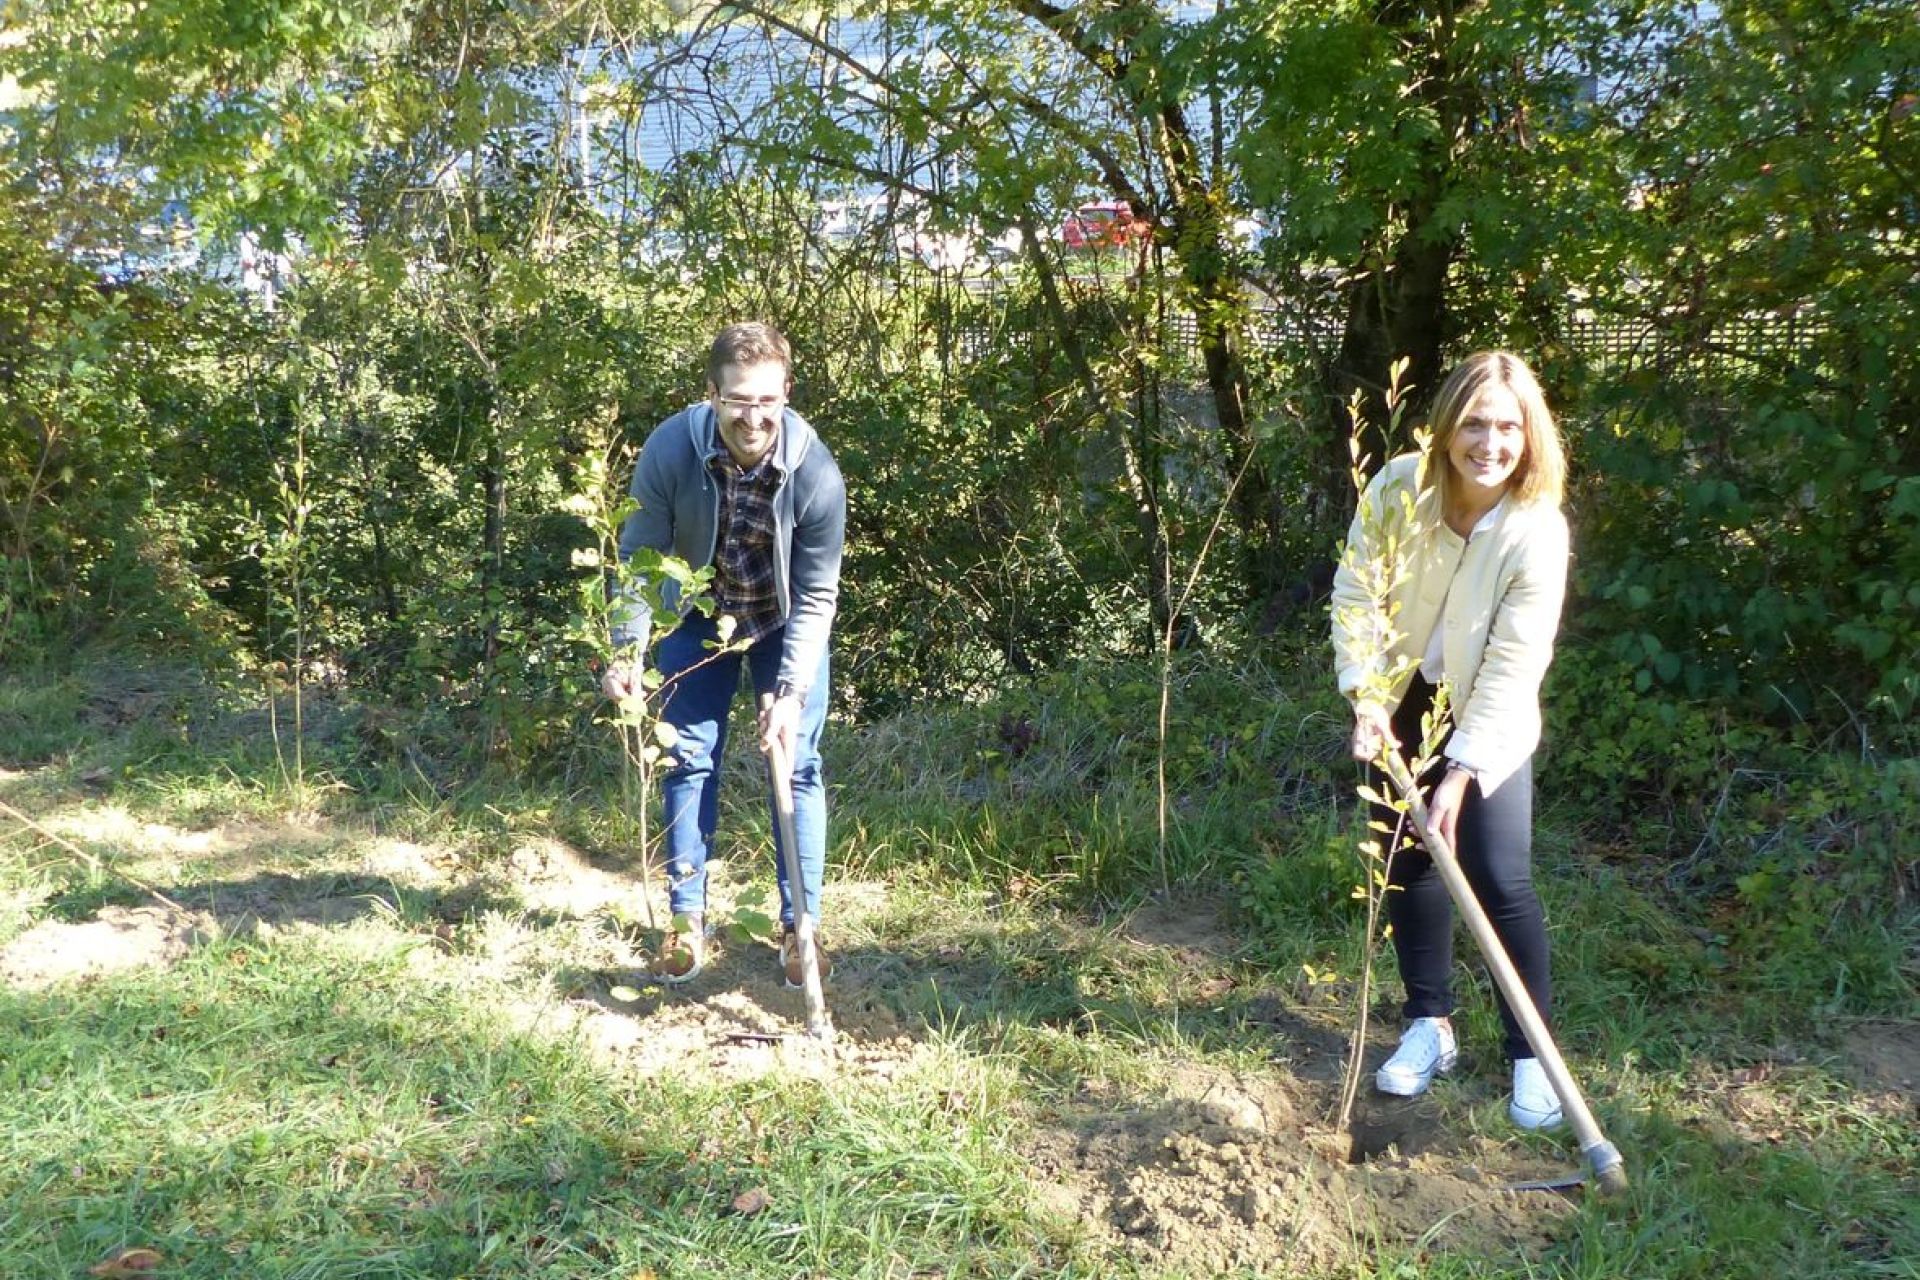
[(752, 926)]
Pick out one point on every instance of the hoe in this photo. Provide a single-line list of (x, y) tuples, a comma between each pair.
[(1609, 1171)]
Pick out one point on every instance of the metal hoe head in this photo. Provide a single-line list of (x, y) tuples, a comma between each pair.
[(1608, 1174)]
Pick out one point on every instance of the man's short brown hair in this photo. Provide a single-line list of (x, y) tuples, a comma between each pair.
[(751, 343)]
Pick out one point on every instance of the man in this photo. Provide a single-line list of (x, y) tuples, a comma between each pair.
[(740, 482)]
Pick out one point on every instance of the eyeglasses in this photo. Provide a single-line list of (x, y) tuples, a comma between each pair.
[(749, 404)]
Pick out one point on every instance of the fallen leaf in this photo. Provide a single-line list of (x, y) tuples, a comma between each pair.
[(122, 1263), (625, 995), (748, 1203), (1213, 988)]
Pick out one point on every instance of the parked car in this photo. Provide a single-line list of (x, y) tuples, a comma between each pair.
[(935, 250), (1009, 246), (1104, 224), (900, 225)]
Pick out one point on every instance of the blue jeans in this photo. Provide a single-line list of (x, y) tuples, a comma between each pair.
[(697, 698)]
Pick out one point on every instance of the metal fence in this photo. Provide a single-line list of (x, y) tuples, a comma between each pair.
[(1605, 343), (1622, 343)]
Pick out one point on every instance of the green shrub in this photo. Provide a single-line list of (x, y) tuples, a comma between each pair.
[(1818, 880), (1621, 747)]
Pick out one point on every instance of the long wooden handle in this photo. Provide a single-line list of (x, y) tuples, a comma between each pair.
[(780, 776)]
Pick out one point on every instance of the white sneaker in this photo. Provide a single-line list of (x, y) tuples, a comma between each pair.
[(1534, 1105), (1427, 1048)]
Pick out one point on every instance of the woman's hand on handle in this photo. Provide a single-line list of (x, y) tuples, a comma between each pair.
[(1443, 806), (621, 680), (1372, 730)]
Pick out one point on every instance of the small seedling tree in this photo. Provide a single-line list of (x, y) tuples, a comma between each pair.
[(608, 587), (1386, 523)]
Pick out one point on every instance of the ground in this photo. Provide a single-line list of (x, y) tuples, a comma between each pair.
[(1175, 1107), (1197, 1168)]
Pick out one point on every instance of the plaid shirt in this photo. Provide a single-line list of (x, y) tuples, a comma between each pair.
[(743, 583)]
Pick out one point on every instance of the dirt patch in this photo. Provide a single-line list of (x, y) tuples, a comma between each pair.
[(738, 1020), (551, 875), (405, 862), (744, 1035), (1225, 1172), (1195, 930), (1885, 1056), (117, 940)]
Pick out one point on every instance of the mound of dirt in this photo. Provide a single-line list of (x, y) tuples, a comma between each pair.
[(739, 1021), (1885, 1056), (1224, 1173), (116, 940)]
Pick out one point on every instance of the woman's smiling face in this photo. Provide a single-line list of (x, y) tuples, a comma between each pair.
[(1488, 443)]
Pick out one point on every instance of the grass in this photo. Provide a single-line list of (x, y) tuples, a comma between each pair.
[(416, 1068), (351, 1103)]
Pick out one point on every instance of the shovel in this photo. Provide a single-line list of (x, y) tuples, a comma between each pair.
[(780, 775), (1603, 1158)]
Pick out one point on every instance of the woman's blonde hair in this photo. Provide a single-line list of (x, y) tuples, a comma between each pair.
[(1542, 473)]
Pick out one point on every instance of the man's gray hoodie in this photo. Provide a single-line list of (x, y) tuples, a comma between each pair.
[(679, 515)]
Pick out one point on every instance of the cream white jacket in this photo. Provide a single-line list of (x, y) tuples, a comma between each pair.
[(1497, 596)]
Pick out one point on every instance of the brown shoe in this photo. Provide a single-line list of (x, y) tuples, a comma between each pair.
[(790, 960), (685, 954)]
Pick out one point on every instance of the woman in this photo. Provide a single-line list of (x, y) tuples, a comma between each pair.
[(1480, 546)]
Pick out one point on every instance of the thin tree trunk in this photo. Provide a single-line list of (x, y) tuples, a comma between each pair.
[(493, 536), (1140, 483)]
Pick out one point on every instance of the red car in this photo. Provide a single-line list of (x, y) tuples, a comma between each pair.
[(1104, 224)]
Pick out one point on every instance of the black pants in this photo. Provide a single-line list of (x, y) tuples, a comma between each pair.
[(1495, 848)]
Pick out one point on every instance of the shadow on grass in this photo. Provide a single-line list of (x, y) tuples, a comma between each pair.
[(301, 1109), (346, 1130), (275, 898)]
